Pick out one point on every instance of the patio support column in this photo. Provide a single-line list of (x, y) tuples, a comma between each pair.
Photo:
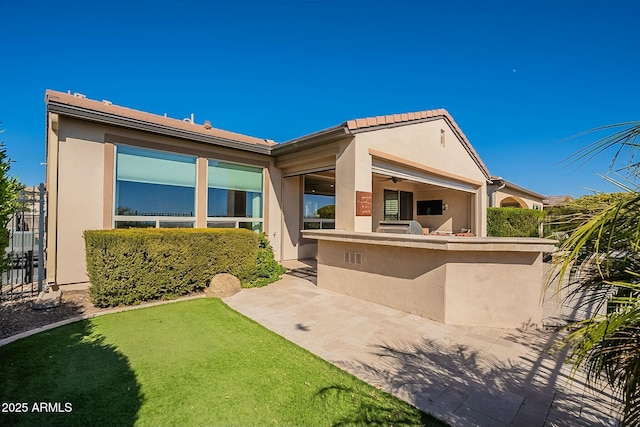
[(291, 196), (109, 178), (353, 173), (201, 192), (480, 203)]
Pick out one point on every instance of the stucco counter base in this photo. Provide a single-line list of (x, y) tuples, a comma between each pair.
[(472, 281)]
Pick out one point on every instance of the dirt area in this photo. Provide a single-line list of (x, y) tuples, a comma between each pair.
[(18, 316)]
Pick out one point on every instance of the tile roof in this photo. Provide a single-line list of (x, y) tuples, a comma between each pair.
[(80, 101), (369, 123)]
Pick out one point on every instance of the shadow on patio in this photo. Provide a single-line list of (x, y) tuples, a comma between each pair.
[(459, 383)]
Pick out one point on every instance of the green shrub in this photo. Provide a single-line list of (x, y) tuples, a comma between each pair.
[(328, 212), (514, 222), (135, 265), (562, 220), (268, 270)]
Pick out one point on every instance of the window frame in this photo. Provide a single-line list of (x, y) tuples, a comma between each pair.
[(399, 202), (236, 220), (323, 223), (190, 221)]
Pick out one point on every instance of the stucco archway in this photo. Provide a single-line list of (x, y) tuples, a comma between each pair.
[(513, 202)]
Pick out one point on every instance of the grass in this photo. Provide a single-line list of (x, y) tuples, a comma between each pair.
[(188, 363)]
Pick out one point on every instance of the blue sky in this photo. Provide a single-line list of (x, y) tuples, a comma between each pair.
[(518, 77)]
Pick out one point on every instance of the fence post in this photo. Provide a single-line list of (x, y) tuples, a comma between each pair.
[(28, 267)]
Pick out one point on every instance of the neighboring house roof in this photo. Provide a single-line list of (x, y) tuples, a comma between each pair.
[(497, 180), (77, 105), (557, 200), (366, 124)]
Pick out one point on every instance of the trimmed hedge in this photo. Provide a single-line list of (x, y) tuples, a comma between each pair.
[(128, 267), (514, 222)]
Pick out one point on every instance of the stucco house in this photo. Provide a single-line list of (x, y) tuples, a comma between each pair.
[(112, 167), (506, 194)]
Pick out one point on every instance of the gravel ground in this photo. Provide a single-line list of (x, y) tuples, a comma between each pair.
[(18, 316)]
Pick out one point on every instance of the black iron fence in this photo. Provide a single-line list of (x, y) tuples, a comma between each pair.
[(26, 229)]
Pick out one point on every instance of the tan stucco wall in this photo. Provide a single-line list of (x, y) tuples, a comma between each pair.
[(291, 216), (422, 144), (80, 195), (82, 187), (52, 196), (383, 276), (498, 289), (345, 186), (468, 281)]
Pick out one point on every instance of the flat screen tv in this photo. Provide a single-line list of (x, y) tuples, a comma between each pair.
[(429, 207)]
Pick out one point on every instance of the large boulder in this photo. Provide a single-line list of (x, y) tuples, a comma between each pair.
[(223, 285)]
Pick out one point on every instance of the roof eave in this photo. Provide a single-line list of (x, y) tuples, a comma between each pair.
[(521, 189), (454, 127), (315, 139), (140, 125)]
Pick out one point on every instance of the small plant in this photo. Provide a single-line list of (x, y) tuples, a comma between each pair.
[(268, 269)]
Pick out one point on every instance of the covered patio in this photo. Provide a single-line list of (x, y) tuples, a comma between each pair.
[(416, 166), (341, 183)]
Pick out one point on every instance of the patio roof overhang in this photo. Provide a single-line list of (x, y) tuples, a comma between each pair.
[(393, 166)]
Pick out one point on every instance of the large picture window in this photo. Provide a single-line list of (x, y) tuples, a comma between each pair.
[(152, 185), (319, 202), (234, 196)]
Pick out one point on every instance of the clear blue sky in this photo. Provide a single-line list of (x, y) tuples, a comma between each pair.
[(518, 77)]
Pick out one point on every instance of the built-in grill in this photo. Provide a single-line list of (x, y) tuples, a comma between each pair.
[(400, 227)]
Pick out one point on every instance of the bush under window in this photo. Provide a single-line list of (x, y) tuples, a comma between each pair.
[(128, 267)]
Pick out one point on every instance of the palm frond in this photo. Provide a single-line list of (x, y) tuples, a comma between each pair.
[(625, 139), (600, 260)]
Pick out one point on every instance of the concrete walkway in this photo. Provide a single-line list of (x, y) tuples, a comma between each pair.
[(465, 376)]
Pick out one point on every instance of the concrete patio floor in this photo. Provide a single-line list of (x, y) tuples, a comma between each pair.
[(466, 376)]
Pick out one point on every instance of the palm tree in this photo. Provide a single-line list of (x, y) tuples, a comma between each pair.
[(601, 259)]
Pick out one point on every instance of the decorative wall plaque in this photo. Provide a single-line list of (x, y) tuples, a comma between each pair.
[(363, 203)]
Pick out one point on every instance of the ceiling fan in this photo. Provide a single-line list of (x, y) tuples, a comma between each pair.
[(394, 179)]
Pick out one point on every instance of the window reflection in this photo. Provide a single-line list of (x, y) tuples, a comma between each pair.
[(319, 202)]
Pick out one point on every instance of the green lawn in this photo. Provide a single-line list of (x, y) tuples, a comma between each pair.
[(188, 363)]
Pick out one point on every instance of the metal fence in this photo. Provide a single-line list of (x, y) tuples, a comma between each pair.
[(25, 250)]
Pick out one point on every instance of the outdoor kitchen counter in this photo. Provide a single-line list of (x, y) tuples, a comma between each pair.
[(472, 281), (437, 242)]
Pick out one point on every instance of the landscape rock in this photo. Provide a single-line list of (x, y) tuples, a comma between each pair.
[(223, 285), (49, 299)]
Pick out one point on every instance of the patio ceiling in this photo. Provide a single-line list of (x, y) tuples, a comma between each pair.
[(397, 171)]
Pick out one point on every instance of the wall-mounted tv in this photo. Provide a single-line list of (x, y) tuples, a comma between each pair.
[(429, 207)]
